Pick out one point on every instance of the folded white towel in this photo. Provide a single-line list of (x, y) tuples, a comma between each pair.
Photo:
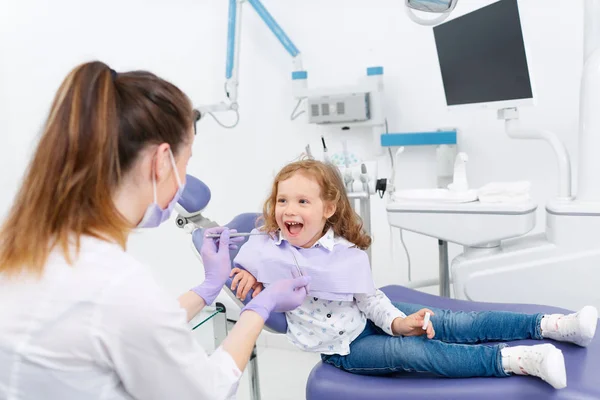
[(505, 192), (522, 198)]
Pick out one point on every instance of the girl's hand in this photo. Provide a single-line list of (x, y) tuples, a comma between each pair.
[(244, 281), (412, 325)]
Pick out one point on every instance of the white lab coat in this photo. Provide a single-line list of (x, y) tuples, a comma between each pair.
[(102, 329)]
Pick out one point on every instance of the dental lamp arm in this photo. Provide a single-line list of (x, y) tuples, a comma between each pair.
[(218, 107), (231, 67), (232, 63), (233, 42), (234, 25), (564, 164), (274, 27)]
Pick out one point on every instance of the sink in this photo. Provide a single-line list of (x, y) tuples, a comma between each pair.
[(471, 224)]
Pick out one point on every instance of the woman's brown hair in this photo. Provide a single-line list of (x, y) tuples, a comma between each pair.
[(345, 222), (98, 124)]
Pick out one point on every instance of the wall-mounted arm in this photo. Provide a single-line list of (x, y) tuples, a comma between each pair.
[(274, 27), (234, 26), (232, 63), (233, 42), (231, 67)]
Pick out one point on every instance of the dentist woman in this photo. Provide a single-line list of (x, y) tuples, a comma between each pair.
[(80, 318)]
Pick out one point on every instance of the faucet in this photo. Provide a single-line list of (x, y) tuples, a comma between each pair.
[(459, 182)]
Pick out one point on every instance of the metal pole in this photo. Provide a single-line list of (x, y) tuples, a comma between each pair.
[(221, 334), (220, 325), (253, 374), (444, 269)]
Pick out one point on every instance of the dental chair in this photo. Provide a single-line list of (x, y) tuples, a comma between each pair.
[(326, 382)]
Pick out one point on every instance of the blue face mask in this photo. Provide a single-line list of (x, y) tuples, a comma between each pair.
[(155, 215)]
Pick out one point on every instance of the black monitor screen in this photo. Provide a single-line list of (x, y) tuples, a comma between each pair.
[(482, 56)]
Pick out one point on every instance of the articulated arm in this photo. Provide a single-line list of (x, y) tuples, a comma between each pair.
[(233, 53)]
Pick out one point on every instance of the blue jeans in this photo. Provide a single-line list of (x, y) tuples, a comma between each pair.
[(453, 351)]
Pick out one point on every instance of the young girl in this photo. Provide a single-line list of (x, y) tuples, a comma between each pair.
[(314, 231)]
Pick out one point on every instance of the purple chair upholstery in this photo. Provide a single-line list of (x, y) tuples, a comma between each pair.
[(583, 367), (195, 196)]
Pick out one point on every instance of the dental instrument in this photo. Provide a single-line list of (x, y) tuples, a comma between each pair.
[(296, 263), (325, 153), (237, 234)]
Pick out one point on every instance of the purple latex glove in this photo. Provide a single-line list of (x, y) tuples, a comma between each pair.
[(216, 260), (281, 296)]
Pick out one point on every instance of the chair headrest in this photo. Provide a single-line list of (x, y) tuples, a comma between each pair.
[(196, 195)]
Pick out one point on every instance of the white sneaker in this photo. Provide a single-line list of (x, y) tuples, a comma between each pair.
[(578, 328), (543, 360)]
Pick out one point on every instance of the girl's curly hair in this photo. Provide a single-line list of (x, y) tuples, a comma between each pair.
[(345, 222)]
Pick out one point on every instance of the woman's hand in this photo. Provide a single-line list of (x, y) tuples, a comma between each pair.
[(216, 260), (281, 296), (412, 325)]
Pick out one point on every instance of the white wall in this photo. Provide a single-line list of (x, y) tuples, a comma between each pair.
[(184, 41)]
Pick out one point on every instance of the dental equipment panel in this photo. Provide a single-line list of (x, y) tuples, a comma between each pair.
[(353, 107), (357, 105)]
